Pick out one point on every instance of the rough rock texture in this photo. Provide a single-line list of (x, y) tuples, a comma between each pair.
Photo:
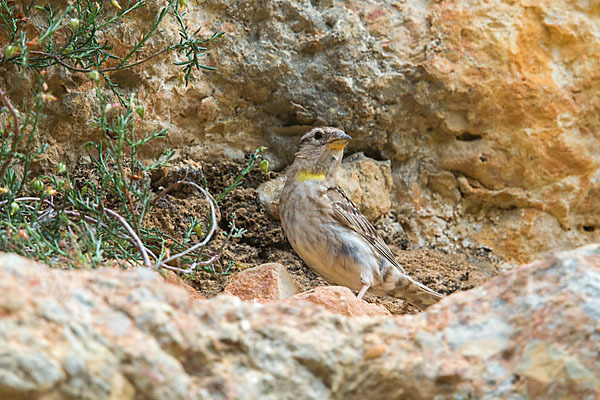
[(366, 181), (488, 110), (529, 333), (339, 300), (264, 283), (269, 193)]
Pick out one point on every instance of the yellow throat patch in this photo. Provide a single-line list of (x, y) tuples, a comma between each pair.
[(338, 144), (304, 175)]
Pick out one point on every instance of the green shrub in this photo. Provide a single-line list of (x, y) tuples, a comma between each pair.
[(59, 220)]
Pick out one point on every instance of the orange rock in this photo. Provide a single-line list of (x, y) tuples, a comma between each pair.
[(264, 283), (174, 279), (339, 300)]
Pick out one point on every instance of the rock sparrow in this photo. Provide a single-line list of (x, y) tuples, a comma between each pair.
[(329, 232)]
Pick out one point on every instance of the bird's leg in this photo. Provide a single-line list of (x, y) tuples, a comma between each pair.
[(362, 292)]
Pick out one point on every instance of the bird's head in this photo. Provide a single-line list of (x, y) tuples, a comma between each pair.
[(319, 153)]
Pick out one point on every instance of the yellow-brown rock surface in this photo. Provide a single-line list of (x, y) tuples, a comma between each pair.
[(520, 124)]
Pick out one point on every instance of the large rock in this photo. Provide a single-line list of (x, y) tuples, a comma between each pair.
[(529, 333), (487, 109)]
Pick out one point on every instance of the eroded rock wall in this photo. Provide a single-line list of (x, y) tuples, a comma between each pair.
[(488, 110)]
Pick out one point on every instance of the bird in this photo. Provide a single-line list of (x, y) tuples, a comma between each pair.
[(331, 234)]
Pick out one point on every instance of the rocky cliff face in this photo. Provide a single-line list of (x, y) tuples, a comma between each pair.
[(488, 111), (529, 333)]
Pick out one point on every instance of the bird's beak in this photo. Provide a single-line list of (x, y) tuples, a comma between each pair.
[(339, 141)]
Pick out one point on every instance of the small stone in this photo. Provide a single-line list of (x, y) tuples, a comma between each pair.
[(208, 109), (375, 351), (264, 283), (269, 194), (340, 300)]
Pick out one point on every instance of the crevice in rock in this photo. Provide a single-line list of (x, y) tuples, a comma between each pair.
[(375, 154), (468, 137), (290, 119), (589, 228)]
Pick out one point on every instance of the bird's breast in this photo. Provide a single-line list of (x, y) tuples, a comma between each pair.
[(333, 251)]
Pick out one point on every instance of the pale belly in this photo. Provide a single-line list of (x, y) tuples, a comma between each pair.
[(334, 252), (326, 258)]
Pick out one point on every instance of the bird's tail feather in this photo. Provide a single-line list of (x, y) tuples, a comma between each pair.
[(414, 292)]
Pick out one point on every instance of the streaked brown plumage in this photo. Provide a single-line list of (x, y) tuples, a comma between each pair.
[(329, 232)]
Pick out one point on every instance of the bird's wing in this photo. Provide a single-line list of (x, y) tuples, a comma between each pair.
[(347, 213)]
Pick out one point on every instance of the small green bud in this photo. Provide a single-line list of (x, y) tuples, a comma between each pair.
[(198, 230), (14, 207), (11, 50), (37, 186), (264, 165), (74, 23), (261, 148), (94, 75), (140, 110), (61, 168)]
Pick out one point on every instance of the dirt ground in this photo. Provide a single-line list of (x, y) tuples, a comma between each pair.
[(264, 240)]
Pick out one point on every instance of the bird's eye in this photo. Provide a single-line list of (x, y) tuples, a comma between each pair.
[(318, 135)]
